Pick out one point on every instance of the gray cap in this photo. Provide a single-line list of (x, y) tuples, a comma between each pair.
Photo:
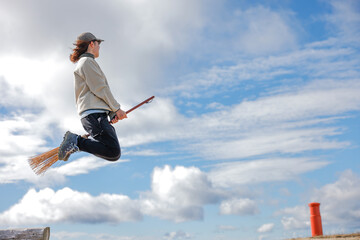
[(88, 37)]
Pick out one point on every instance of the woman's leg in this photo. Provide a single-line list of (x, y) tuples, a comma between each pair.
[(105, 143)]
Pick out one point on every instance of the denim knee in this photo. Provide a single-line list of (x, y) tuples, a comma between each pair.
[(115, 155)]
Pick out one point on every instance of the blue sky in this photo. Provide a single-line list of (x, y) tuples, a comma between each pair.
[(256, 115)]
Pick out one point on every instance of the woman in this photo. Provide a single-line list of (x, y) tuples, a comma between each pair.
[(94, 102)]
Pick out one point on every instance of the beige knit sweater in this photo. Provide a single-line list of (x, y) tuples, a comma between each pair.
[(92, 90)]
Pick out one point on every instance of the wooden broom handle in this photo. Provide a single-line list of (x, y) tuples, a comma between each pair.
[(113, 114), (143, 102)]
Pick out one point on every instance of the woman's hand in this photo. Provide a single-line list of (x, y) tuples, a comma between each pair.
[(120, 115)]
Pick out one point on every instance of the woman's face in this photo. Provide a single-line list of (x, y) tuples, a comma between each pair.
[(96, 48)]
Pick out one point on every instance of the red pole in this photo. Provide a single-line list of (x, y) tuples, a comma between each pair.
[(315, 219)]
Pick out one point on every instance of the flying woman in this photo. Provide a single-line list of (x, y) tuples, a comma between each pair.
[(94, 102)]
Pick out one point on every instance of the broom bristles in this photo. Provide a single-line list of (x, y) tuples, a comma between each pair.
[(42, 162)]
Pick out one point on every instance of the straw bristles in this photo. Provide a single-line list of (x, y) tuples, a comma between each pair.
[(42, 162)]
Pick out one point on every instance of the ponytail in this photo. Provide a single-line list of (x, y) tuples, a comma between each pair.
[(80, 48)]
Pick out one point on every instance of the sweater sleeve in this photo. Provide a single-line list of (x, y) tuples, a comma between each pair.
[(98, 84)]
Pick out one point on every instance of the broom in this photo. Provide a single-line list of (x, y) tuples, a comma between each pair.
[(42, 162)]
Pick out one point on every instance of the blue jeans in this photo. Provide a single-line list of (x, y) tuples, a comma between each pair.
[(104, 142)]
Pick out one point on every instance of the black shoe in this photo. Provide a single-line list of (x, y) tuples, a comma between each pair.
[(68, 146)]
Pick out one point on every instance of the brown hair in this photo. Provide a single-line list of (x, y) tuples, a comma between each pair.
[(80, 48)]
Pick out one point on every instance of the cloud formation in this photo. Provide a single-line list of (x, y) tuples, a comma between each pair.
[(238, 207), (267, 227), (265, 31), (177, 235), (233, 174), (66, 205), (346, 19), (339, 205), (179, 194)]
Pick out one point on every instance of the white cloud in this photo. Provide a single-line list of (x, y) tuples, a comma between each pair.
[(37, 102), (295, 119), (295, 217), (66, 205), (14, 96), (262, 142), (234, 174), (344, 192), (82, 166), (294, 223), (267, 227), (227, 228), (238, 207), (264, 31), (18, 136), (339, 205), (345, 17), (16, 168), (179, 194), (58, 173), (146, 152), (155, 122), (177, 235), (314, 61)]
